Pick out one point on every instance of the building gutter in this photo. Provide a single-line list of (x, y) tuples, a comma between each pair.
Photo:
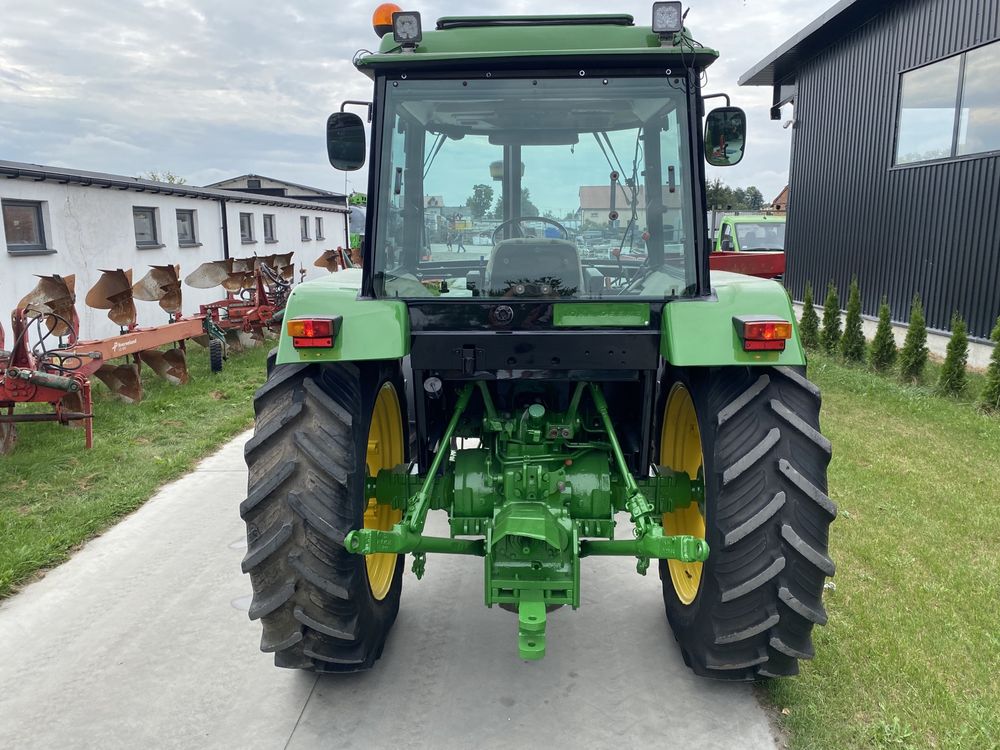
[(225, 228)]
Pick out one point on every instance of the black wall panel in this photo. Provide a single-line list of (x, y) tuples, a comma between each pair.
[(927, 228)]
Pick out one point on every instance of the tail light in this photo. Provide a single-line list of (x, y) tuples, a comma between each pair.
[(762, 334), (313, 333)]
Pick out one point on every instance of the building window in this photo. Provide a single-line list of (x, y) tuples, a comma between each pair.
[(253, 184), (146, 230), (22, 223), (246, 228), (269, 228), (980, 127), (304, 226), (319, 228), (187, 236), (950, 108)]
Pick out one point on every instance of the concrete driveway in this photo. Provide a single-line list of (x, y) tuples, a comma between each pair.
[(142, 640)]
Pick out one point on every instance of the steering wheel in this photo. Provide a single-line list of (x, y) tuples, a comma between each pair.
[(517, 222)]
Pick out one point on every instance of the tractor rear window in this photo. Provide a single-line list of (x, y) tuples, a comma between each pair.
[(535, 188)]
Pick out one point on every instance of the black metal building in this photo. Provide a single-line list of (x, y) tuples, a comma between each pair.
[(895, 166)]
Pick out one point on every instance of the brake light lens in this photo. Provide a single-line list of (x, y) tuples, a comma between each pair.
[(760, 335), (312, 333)]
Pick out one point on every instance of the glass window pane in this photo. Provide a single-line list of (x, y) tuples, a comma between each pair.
[(319, 228), (764, 235), (304, 226), (246, 227), (20, 223), (185, 226), (927, 112), (268, 226), (979, 128), (145, 226), (441, 211)]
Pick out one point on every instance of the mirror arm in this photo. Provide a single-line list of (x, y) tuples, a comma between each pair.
[(368, 105), (716, 96)]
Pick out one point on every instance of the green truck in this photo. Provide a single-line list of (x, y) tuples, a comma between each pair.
[(539, 399), (761, 239)]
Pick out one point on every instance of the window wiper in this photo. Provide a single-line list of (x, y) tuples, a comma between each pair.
[(435, 149)]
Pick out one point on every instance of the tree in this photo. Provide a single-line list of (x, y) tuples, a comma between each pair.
[(754, 198), (720, 195), (809, 323), (852, 345), (527, 207), (480, 201), (953, 378), (913, 357), (831, 320), (883, 353), (168, 177), (990, 397), (717, 194)]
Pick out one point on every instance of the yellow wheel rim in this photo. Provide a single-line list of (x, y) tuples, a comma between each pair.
[(385, 450), (680, 450)]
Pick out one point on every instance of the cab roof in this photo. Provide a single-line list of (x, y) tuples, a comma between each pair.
[(459, 41), (754, 218)]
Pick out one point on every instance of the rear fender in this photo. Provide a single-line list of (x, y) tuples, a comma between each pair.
[(370, 328), (701, 333)]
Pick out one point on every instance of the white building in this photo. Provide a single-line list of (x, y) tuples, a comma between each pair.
[(64, 221), (261, 185)]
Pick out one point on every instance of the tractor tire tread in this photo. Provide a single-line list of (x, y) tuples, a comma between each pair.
[(304, 495), (761, 591)]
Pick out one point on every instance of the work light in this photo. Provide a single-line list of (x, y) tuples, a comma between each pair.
[(406, 28), (667, 18)]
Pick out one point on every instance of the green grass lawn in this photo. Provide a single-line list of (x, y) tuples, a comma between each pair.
[(54, 494), (911, 655)]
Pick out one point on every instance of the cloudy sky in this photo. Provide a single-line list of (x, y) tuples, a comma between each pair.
[(210, 89)]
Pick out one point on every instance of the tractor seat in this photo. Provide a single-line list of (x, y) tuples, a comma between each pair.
[(533, 267)]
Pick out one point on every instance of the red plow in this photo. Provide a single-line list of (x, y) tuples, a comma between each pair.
[(48, 362)]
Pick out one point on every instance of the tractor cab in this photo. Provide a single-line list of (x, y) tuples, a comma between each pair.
[(497, 143)]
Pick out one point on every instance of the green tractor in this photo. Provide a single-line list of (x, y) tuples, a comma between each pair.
[(538, 391)]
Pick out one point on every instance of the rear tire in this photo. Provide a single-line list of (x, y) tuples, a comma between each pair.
[(766, 517), (306, 492)]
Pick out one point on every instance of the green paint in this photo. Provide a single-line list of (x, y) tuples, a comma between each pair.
[(588, 42), (538, 494), (600, 314), (371, 329), (699, 332)]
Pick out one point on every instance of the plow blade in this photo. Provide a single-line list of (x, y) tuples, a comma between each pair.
[(123, 381), (73, 402), (330, 260), (113, 292), (281, 263), (239, 340), (170, 365), (8, 438), (55, 295), (162, 284), (210, 274), (242, 276)]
